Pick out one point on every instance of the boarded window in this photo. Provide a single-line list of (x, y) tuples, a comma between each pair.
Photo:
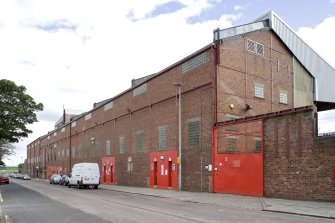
[(194, 132), (162, 137), (108, 147), (259, 90), (139, 141), (122, 144), (97, 148), (140, 89), (194, 62)]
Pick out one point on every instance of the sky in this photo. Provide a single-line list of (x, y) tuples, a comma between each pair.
[(72, 53)]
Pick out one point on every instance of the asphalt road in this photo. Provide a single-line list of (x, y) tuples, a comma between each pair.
[(38, 201)]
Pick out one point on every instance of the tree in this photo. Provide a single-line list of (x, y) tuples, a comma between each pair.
[(17, 109), (6, 149)]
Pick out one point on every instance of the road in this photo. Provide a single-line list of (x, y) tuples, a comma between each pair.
[(38, 201)]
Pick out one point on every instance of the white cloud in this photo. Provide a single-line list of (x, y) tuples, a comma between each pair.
[(98, 59), (321, 38)]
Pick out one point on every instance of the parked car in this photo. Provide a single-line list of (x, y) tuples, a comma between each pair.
[(4, 179), (64, 180), (85, 175), (55, 178), (25, 177)]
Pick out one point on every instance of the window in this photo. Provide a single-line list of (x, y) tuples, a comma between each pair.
[(97, 148), (63, 129), (193, 132), (88, 116), (122, 144), (258, 144), (283, 97), (231, 144), (108, 106), (63, 154), (259, 90), (140, 89), (79, 152), (88, 148), (162, 135), (194, 63), (67, 153), (55, 133), (73, 124), (255, 47), (73, 152), (108, 147), (139, 138)]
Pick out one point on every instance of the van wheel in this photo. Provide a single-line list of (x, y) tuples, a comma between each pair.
[(96, 187), (69, 185)]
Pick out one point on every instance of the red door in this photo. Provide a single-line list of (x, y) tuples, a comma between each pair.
[(170, 173), (155, 173)]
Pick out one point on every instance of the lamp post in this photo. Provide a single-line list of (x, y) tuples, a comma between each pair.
[(178, 86)]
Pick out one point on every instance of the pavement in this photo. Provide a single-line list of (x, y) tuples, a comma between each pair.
[(306, 208)]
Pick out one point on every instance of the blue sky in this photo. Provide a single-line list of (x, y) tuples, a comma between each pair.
[(73, 53)]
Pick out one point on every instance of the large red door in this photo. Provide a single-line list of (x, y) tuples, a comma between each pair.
[(238, 159)]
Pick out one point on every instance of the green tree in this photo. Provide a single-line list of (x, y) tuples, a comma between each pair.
[(17, 109), (6, 149)]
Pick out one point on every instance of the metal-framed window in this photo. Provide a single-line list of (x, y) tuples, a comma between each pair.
[(88, 116), (79, 152), (231, 144), (73, 152), (194, 132), (255, 47), (97, 148), (162, 137), (108, 147), (140, 89), (258, 144), (88, 148), (122, 144), (283, 97), (139, 139), (259, 90), (108, 106), (194, 62)]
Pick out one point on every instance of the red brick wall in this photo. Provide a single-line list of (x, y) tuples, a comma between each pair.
[(289, 172)]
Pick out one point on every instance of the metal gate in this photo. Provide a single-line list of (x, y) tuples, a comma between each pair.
[(238, 158)]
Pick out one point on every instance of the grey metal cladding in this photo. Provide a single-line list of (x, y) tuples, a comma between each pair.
[(323, 73), (314, 63)]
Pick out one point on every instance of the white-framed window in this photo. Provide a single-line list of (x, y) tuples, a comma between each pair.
[(283, 97), (259, 90), (108, 106), (88, 116)]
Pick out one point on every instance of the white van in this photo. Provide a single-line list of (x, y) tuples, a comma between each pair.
[(85, 175)]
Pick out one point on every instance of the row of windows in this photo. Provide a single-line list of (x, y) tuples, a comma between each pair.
[(193, 140), (259, 93)]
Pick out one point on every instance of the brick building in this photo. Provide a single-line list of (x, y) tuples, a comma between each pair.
[(228, 95)]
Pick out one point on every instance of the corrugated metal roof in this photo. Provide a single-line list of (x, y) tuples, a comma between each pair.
[(323, 73)]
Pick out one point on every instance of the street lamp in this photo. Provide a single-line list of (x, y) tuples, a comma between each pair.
[(179, 134)]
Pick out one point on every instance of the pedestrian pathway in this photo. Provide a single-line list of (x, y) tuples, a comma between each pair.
[(308, 208)]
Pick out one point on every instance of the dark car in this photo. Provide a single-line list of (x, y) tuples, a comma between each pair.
[(4, 179), (64, 180), (55, 178)]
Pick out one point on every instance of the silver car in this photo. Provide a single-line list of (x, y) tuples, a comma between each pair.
[(55, 178)]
